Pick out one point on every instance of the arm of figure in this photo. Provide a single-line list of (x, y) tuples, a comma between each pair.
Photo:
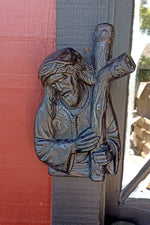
[(113, 139), (57, 153)]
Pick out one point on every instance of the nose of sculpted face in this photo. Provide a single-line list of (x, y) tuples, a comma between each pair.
[(59, 86)]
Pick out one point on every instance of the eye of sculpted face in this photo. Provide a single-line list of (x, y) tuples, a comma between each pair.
[(66, 87)]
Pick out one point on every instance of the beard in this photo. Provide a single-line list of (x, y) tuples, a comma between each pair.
[(71, 99)]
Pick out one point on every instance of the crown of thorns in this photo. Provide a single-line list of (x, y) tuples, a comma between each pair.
[(66, 60)]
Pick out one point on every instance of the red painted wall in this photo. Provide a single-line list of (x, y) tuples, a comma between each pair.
[(27, 35)]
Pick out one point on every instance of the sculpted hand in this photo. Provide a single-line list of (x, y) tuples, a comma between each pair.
[(103, 156), (86, 141)]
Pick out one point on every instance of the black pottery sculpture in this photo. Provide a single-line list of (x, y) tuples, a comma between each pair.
[(76, 133)]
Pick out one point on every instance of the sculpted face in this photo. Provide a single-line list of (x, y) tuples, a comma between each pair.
[(66, 87)]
